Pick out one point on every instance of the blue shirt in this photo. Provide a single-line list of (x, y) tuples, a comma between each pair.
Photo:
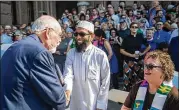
[(152, 14), (5, 39), (174, 51), (161, 36)]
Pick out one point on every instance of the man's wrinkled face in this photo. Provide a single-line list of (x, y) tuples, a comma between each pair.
[(53, 39), (82, 39)]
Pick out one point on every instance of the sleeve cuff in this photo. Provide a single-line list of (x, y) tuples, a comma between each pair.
[(102, 105)]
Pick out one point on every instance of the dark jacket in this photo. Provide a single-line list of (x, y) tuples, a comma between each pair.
[(28, 78)]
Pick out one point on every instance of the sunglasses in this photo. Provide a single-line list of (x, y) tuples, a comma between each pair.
[(82, 34), (150, 66), (134, 27)]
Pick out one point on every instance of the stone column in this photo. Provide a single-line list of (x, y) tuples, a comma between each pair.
[(5, 13)]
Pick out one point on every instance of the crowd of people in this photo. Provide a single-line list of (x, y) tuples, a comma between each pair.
[(90, 51)]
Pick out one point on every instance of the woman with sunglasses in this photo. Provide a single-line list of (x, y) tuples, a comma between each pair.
[(102, 43), (156, 91), (130, 50)]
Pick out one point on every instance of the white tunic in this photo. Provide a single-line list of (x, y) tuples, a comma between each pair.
[(87, 74)]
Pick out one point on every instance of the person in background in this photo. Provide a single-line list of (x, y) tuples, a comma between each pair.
[(131, 15), (134, 8), (104, 27), (32, 80), (124, 31), (156, 91), (94, 15), (130, 50), (142, 27), (111, 12), (103, 44), (150, 40), (88, 12), (87, 72), (28, 30), (174, 51), (14, 28), (163, 46), (140, 18), (152, 11), (82, 17), (61, 51), (6, 37), (102, 18), (160, 35), (17, 36), (159, 13), (174, 31), (126, 18), (2, 30)]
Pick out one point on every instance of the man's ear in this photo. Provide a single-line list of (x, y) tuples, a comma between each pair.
[(92, 37), (47, 34)]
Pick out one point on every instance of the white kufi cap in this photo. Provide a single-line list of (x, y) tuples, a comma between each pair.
[(86, 25)]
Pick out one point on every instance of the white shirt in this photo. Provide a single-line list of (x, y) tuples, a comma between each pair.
[(87, 74)]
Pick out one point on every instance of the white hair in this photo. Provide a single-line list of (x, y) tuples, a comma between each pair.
[(44, 22)]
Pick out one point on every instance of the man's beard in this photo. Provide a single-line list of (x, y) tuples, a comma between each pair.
[(81, 47)]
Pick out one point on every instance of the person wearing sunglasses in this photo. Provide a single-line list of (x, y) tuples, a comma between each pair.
[(87, 72), (130, 49), (156, 91), (28, 77)]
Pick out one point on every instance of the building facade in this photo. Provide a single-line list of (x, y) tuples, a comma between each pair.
[(20, 12)]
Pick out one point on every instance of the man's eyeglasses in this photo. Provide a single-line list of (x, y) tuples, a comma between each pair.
[(109, 7), (150, 66), (82, 34), (134, 27)]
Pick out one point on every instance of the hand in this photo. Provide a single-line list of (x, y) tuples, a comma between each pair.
[(141, 54), (135, 56), (67, 93), (65, 53)]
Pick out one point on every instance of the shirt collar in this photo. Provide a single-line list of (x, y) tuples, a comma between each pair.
[(89, 47), (34, 36)]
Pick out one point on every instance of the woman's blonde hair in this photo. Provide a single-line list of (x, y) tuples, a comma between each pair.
[(165, 61)]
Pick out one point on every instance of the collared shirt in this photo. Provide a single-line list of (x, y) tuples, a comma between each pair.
[(87, 74)]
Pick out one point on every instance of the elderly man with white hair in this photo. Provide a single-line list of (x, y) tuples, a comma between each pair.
[(87, 72), (28, 76)]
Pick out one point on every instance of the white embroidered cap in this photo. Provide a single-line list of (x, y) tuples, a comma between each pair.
[(86, 25)]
